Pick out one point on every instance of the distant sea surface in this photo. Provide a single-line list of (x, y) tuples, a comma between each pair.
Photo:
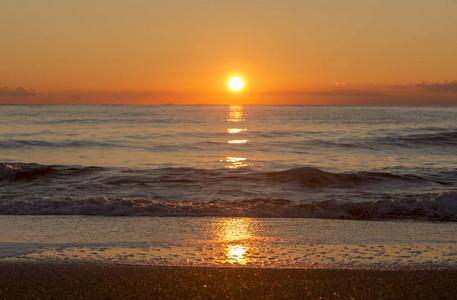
[(327, 162)]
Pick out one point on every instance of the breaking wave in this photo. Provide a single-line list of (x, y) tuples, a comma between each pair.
[(306, 192), (305, 176), (442, 207)]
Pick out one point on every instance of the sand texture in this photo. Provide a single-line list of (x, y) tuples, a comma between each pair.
[(101, 281)]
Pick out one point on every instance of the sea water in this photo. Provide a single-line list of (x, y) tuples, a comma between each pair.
[(275, 186)]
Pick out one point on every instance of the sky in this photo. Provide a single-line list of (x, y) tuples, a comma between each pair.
[(184, 52)]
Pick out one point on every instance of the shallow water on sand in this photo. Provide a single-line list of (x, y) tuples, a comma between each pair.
[(230, 242)]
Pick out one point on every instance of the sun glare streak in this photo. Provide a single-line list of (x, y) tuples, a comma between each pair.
[(237, 254), (236, 162), (237, 141), (235, 229), (235, 114), (235, 130), (235, 159), (236, 234)]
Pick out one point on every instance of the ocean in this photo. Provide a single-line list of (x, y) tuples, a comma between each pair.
[(261, 186)]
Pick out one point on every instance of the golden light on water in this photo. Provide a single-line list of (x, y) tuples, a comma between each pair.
[(236, 162), (237, 141), (235, 229), (235, 120), (235, 130), (235, 114), (236, 254), (236, 234), (236, 158)]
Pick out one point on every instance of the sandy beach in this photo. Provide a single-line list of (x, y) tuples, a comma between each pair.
[(38, 280)]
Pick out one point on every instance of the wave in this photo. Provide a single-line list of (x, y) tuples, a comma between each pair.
[(313, 177), (67, 144), (276, 141), (305, 192), (304, 176), (18, 171), (441, 208), (440, 139)]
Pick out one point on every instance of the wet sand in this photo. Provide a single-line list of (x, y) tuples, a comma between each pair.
[(38, 280)]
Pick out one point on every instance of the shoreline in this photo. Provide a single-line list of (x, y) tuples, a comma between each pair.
[(32, 280), (221, 242)]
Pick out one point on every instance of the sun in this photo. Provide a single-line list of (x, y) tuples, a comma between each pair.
[(236, 84)]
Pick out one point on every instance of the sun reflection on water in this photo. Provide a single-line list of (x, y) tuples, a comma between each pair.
[(235, 130), (236, 162), (236, 115), (236, 254), (237, 141), (236, 235)]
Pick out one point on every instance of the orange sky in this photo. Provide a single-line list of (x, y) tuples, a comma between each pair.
[(184, 52)]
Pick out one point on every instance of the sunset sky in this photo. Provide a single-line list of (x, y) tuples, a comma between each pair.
[(184, 52)]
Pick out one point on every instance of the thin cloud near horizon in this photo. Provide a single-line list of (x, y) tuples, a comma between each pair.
[(16, 92)]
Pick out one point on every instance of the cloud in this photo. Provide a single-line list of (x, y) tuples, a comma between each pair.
[(350, 93), (447, 86), (17, 92)]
